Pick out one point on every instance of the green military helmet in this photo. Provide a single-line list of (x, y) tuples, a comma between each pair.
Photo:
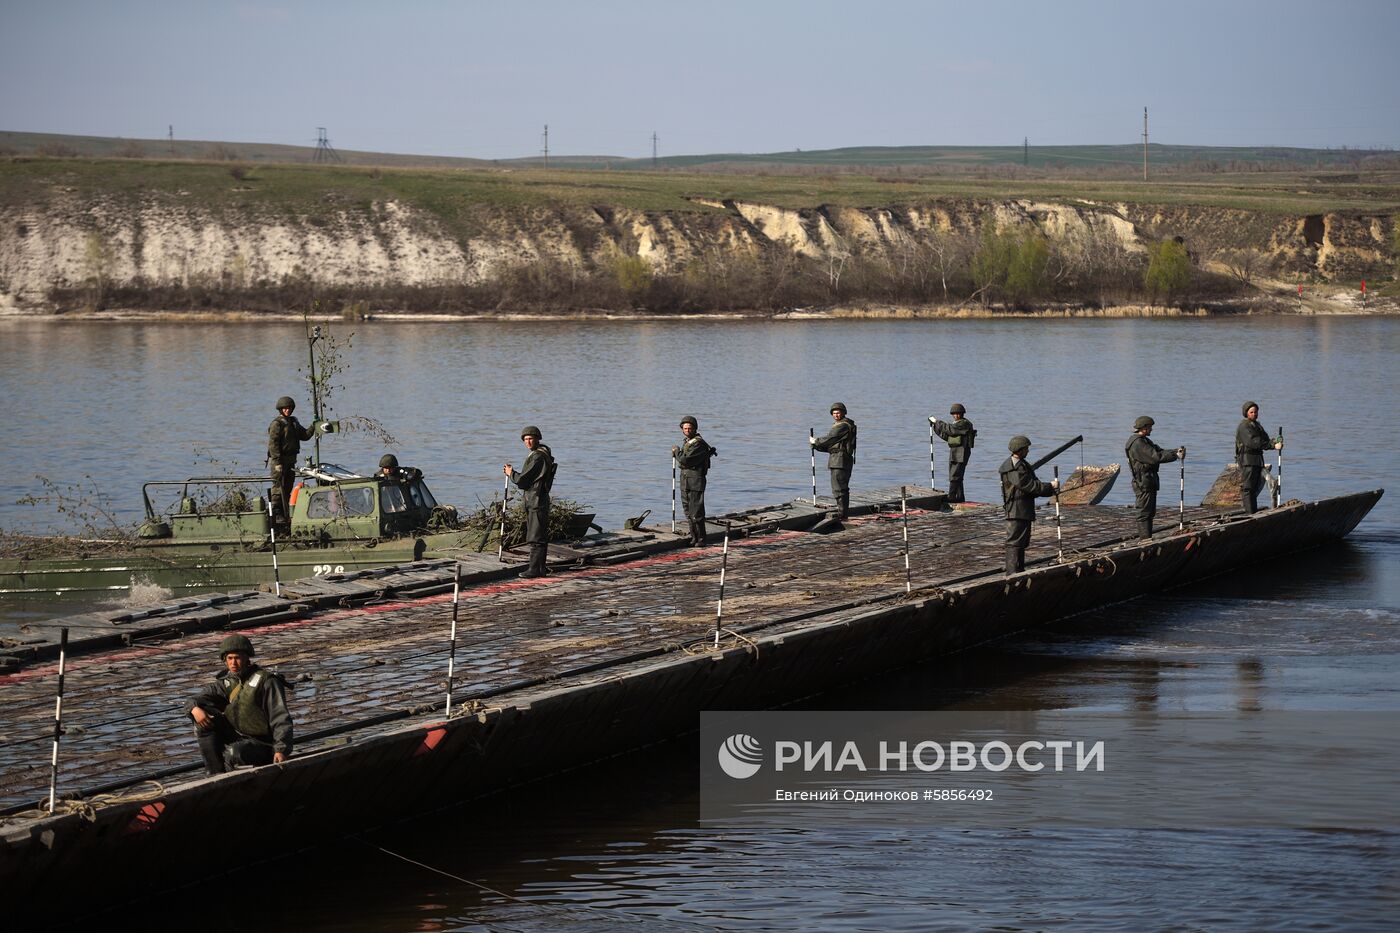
[(1143, 422), (389, 461), (531, 431), (235, 644), (957, 409), (690, 420), (286, 402), (1019, 442), (1244, 409), (838, 406)]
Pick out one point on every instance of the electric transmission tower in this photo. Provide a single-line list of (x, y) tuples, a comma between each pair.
[(653, 148), (324, 152), (1144, 144), (546, 145)]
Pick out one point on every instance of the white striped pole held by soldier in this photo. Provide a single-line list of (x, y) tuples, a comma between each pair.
[(1181, 506), (505, 501), (930, 453)]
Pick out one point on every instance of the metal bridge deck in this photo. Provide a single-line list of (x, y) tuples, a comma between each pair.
[(124, 710)]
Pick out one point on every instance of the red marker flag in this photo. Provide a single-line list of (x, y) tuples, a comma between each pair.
[(1363, 286)]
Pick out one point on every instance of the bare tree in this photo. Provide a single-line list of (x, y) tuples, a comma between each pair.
[(1244, 265)]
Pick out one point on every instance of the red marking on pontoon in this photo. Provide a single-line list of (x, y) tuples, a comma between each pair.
[(430, 741), (145, 818)]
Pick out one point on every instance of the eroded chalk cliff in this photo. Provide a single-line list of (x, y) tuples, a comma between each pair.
[(73, 241)]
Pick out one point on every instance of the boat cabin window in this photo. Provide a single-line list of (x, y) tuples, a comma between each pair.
[(421, 497), (391, 498), (341, 503)]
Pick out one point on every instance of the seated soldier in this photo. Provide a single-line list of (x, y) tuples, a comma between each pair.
[(241, 717)]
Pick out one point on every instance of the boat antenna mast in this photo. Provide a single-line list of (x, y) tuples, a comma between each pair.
[(311, 339)]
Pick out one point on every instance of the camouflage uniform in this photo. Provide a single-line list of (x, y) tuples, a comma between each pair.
[(284, 437), (1251, 440), (1144, 457), (251, 720), (1019, 489), (839, 444), (960, 435), (536, 478), (693, 458)]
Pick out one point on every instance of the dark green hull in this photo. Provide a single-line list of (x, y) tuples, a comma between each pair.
[(183, 567)]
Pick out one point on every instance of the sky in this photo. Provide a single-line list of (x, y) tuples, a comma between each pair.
[(480, 79)]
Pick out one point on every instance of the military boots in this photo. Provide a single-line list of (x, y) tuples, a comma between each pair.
[(537, 568)]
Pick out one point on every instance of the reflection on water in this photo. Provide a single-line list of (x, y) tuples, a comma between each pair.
[(620, 845)]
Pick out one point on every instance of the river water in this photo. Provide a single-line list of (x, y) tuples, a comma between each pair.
[(621, 845)]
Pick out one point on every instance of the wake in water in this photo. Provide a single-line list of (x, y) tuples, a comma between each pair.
[(142, 593)]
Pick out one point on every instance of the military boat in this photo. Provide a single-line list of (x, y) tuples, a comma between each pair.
[(341, 521)]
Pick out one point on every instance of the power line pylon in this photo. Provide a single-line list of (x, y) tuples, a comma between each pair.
[(1144, 144), (324, 152)]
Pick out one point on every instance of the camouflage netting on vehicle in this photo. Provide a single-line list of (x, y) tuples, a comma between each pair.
[(19, 546)]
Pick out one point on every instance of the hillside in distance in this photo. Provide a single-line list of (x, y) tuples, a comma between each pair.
[(1085, 159)]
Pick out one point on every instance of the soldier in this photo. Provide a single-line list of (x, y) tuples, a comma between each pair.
[(389, 467), (284, 437), (960, 435), (839, 444), (1019, 489), (693, 457), (536, 478), (1251, 440), (1144, 457), (241, 717)]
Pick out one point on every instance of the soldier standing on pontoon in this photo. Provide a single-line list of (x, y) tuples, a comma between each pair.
[(693, 458), (839, 444), (960, 435), (1251, 440), (1019, 489)]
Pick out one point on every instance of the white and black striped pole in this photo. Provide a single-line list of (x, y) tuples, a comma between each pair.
[(812, 439), (930, 453), (452, 639), (272, 537), (1278, 484), (57, 719), (501, 542), (1181, 508), (1059, 534), (904, 520), (673, 493), (723, 566)]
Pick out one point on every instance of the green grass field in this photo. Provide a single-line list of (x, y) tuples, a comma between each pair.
[(455, 195)]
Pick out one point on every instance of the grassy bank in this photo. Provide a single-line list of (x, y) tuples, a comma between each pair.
[(312, 189)]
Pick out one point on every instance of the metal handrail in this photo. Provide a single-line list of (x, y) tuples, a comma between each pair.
[(185, 484)]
